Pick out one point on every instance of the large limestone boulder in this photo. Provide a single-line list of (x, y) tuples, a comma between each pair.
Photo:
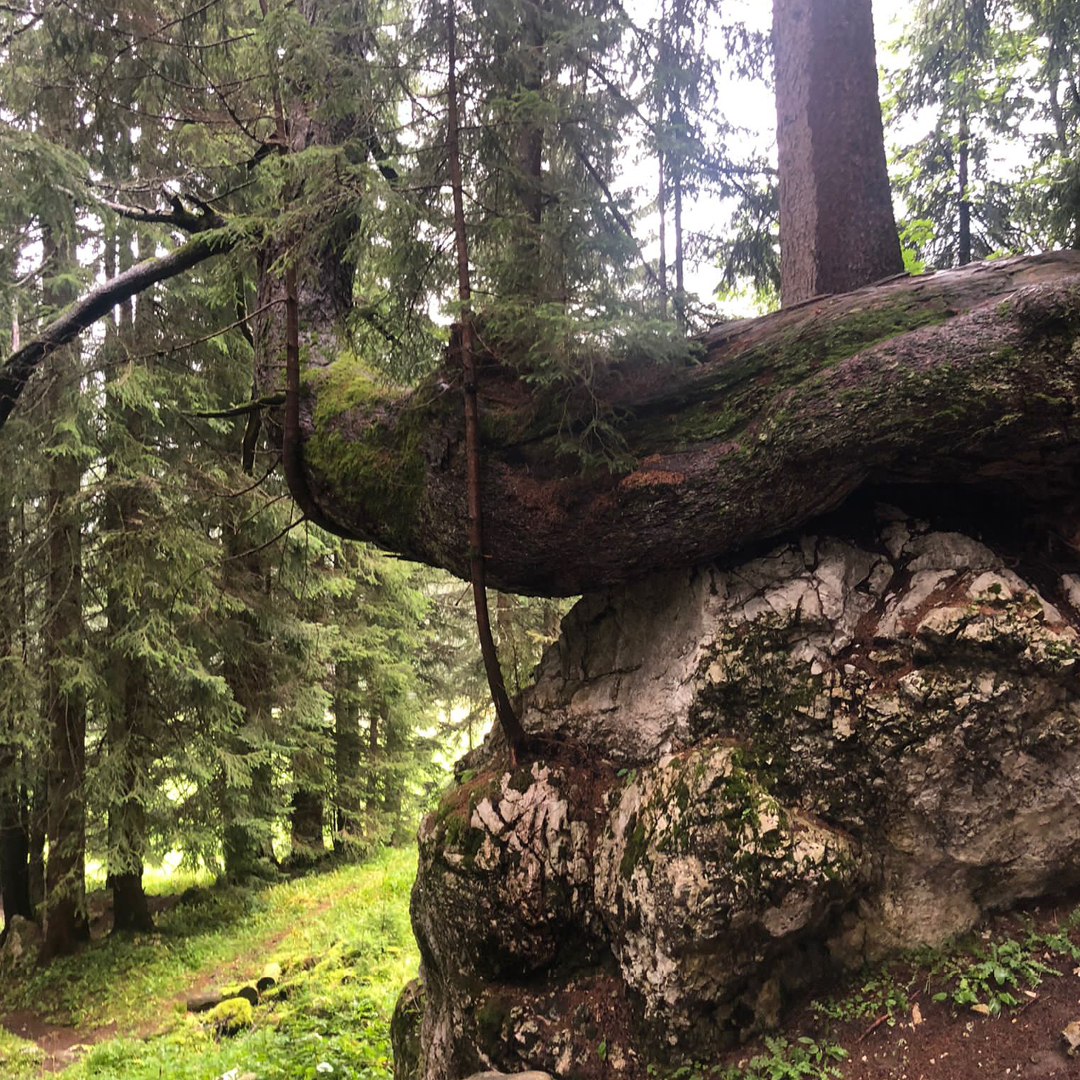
[(827, 753)]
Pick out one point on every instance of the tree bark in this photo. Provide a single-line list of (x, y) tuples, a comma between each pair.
[(65, 921), (348, 753), (837, 230), (968, 377), (14, 840)]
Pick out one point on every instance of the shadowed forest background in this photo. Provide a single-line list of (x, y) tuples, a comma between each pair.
[(205, 693)]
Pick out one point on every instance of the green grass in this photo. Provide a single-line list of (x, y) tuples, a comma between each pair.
[(19, 1059), (342, 938)]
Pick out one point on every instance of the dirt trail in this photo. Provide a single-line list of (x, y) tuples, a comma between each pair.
[(64, 1044), (61, 1044)]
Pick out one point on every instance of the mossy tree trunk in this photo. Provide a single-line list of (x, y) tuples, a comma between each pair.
[(968, 377)]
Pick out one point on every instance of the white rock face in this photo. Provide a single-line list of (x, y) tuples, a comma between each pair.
[(828, 753)]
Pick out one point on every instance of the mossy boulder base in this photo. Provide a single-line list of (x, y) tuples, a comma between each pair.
[(854, 743)]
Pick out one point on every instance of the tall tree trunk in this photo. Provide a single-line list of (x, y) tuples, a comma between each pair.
[(126, 729), (837, 230), (306, 823), (964, 231), (680, 284), (348, 754), (661, 203), (33, 799), (527, 266), (508, 719), (247, 809), (661, 155), (374, 779), (14, 840), (65, 922), (37, 806), (400, 829)]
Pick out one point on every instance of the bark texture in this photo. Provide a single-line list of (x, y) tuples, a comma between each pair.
[(65, 919), (968, 377), (837, 230), (14, 841)]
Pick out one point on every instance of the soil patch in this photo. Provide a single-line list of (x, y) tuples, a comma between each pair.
[(61, 1044), (942, 1041)]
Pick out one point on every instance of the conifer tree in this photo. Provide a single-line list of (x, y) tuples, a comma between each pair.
[(962, 64)]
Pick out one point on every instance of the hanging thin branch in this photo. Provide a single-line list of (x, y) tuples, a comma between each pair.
[(511, 725)]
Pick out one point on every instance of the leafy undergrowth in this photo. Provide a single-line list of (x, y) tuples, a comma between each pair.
[(345, 947)]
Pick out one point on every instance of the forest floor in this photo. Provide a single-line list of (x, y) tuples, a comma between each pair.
[(117, 1010), (990, 1007)]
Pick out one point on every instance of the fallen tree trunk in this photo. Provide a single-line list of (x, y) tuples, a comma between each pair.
[(966, 377)]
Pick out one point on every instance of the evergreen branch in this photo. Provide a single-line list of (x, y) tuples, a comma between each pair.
[(22, 363), (257, 484), (240, 324), (266, 402), (138, 38), (33, 18), (616, 213), (380, 156), (273, 539)]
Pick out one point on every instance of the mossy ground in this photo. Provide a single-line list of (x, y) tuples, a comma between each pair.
[(343, 940)]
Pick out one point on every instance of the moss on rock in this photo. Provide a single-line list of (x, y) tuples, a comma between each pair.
[(231, 1016)]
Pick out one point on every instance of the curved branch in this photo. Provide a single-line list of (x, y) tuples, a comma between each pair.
[(71, 322), (180, 217)]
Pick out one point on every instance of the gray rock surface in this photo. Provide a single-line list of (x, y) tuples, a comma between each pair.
[(813, 759), (405, 1031), (21, 945)]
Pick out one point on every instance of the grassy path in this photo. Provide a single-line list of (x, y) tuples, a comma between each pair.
[(343, 938)]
